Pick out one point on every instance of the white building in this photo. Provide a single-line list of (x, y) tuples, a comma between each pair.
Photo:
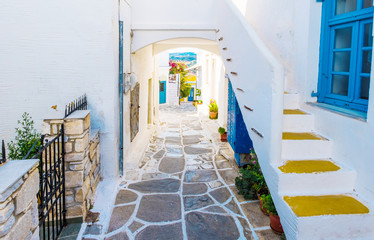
[(318, 52)]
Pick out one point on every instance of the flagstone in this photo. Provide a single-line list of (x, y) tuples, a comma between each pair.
[(168, 185), (246, 229), (159, 154), (221, 194), (223, 164), (172, 140), (196, 150), (135, 226), (200, 176), (118, 236), (254, 214), (192, 203), (94, 229), (120, 216), (229, 176), (155, 175), (172, 164), (194, 189), (215, 209), (215, 184), (125, 196), (162, 232), (233, 207), (159, 208), (210, 226), (181, 151)]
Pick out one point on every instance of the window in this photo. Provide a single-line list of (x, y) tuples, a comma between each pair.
[(346, 52)]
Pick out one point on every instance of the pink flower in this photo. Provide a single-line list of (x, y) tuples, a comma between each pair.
[(173, 65), (254, 162)]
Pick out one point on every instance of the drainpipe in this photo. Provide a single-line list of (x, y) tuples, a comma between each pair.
[(120, 23)]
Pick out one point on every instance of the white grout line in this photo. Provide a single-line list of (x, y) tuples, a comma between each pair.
[(155, 169), (236, 201)]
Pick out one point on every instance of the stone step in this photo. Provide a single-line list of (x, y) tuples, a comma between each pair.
[(306, 176), (295, 120), (343, 216), (305, 145), (291, 100)]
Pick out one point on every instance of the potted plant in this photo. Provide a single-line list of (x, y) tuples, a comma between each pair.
[(194, 102), (213, 109), (262, 207), (275, 223), (199, 102), (223, 133)]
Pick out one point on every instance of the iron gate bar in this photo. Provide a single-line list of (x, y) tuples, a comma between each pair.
[(77, 104), (51, 197), (3, 153)]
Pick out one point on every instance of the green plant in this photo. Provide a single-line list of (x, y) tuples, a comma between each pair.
[(26, 136), (251, 180), (198, 92), (213, 107), (221, 130), (269, 204), (185, 88)]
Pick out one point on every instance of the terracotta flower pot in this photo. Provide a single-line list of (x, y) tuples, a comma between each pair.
[(224, 137), (213, 115), (275, 224)]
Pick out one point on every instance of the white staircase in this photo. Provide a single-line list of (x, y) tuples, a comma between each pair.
[(317, 193)]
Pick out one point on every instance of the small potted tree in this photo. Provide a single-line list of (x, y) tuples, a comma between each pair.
[(213, 109), (275, 223), (223, 133)]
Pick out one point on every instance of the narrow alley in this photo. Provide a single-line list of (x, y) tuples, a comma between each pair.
[(183, 189)]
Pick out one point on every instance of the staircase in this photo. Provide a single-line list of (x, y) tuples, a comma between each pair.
[(317, 192)]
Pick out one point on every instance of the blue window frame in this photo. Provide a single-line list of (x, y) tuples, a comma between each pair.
[(346, 53)]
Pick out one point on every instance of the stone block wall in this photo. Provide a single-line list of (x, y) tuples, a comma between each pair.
[(82, 160), (19, 185)]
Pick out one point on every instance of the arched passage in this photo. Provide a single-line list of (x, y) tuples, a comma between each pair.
[(146, 64)]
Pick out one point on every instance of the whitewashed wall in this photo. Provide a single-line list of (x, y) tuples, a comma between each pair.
[(53, 51), (169, 15), (214, 83), (292, 32), (143, 67)]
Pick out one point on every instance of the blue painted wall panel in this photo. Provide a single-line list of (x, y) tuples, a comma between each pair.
[(237, 133)]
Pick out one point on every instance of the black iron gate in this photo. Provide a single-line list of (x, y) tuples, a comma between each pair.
[(51, 196)]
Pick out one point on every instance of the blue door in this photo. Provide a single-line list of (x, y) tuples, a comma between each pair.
[(162, 92), (237, 134), (192, 94)]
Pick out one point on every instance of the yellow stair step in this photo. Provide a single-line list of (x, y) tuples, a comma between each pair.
[(307, 206), (309, 166), (294, 112), (301, 136)]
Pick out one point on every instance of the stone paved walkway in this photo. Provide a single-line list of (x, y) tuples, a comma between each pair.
[(184, 188)]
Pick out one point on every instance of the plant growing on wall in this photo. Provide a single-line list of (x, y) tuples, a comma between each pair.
[(180, 68), (26, 136)]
